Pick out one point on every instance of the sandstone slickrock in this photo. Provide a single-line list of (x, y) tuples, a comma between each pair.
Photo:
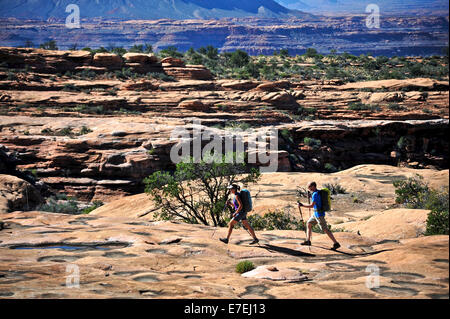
[(273, 86), (196, 72), (17, 194), (282, 274), (279, 98), (120, 257), (172, 62), (140, 58), (109, 60)]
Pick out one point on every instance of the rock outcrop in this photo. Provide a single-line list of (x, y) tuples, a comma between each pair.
[(53, 62), (17, 194), (113, 159)]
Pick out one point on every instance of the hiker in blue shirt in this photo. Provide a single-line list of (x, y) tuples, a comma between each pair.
[(318, 217), (239, 215)]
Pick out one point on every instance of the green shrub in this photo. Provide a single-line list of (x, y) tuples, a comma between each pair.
[(244, 266), (11, 76), (311, 52), (70, 88), (330, 168), (49, 45), (275, 220), (239, 59), (53, 205), (402, 142), (186, 193), (233, 125), (358, 106), (335, 188), (437, 223), (314, 143), (84, 130), (395, 107), (411, 192), (95, 204), (415, 193)]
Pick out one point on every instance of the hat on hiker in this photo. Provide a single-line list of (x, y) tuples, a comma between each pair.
[(233, 186)]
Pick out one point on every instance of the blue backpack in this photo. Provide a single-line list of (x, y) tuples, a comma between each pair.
[(246, 199)]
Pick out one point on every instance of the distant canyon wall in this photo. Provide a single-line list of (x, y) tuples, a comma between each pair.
[(425, 35)]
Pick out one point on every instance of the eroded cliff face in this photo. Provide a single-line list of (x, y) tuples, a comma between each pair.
[(98, 138), (113, 159)]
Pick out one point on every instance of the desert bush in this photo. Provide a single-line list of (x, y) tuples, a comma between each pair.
[(244, 266), (233, 125), (395, 107), (437, 223), (60, 206), (311, 52), (95, 204), (84, 130), (314, 143), (358, 106), (239, 59), (335, 188), (415, 193), (70, 88), (160, 76), (49, 45), (411, 192), (188, 193), (277, 219), (140, 48), (330, 168), (171, 51)]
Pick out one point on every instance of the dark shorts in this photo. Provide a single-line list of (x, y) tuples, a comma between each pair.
[(240, 217)]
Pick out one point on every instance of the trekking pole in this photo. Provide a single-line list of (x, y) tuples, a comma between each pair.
[(309, 211), (302, 220), (223, 212)]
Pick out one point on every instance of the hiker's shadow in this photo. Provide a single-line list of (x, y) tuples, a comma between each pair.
[(286, 251)]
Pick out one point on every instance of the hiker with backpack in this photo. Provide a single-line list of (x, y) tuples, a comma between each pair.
[(242, 204), (320, 203)]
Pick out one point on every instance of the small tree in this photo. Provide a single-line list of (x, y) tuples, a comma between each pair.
[(196, 192), (239, 58), (311, 52), (411, 192), (49, 45), (171, 51)]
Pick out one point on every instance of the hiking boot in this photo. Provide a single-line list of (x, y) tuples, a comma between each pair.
[(255, 241), (224, 240), (335, 246), (306, 243)]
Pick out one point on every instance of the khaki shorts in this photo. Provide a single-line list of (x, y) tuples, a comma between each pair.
[(318, 220)]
